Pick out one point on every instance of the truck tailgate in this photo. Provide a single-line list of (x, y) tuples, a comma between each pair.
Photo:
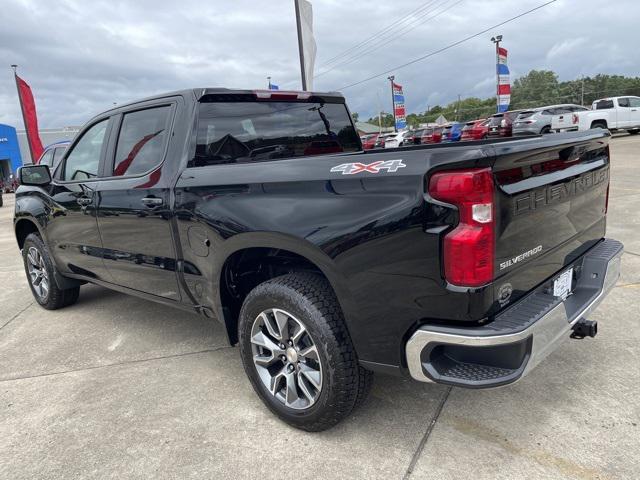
[(550, 206)]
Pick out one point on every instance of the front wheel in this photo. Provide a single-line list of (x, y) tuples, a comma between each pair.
[(40, 275), (297, 352)]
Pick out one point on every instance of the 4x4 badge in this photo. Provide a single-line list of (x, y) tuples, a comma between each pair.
[(375, 167)]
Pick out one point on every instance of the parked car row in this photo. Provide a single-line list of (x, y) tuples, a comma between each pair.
[(532, 121)]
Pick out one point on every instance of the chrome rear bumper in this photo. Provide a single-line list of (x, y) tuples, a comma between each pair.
[(520, 337)]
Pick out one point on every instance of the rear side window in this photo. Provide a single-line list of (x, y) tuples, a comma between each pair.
[(634, 102), (83, 160), (603, 105), (141, 141), (623, 102), (234, 132)]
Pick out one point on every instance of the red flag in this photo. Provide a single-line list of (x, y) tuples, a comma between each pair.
[(30, 117)]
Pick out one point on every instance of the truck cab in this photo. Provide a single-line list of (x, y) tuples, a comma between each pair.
[(613, 113)]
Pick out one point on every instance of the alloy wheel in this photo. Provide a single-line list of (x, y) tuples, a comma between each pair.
[(37, 273), (286, 358)]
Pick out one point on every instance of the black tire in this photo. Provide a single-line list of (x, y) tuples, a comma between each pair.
[(1, 199), (55, 297), (631, 132), (344, 385), (599, 124), (546, 129)]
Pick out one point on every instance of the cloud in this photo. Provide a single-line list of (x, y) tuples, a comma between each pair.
[(566, 47), (80, 57)]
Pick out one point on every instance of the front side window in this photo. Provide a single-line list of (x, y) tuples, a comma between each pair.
[(141, 141), (234, 132), (83, 161), (58, 153), (47, 158), (634, 102), (623, 102)]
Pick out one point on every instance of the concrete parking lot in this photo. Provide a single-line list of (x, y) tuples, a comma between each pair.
[(118, 387)]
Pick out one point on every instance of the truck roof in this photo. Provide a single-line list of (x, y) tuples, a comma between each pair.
[(199, 93)]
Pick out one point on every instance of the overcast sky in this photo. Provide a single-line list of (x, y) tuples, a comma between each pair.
[(80, 57)]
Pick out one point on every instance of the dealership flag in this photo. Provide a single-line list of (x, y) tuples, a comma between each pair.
[(398, 107), (306, 42), (30, 118), (504, 87)]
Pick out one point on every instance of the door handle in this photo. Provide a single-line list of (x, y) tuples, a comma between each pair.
[(84, 201), (152, 202)]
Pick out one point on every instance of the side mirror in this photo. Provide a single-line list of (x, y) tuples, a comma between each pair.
[(34, 175)]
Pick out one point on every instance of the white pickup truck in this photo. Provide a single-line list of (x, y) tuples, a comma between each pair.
[(614, 113)]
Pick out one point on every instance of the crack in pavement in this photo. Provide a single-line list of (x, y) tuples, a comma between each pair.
[(632, 253), (16, 315), (427, 434), (127, 362)]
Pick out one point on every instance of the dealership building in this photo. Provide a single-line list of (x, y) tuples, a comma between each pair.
[(14, 148), (10, 158)]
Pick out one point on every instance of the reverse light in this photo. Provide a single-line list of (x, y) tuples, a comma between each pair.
[(469, 249)]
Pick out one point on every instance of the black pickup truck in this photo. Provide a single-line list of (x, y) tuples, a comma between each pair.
[(463, 264)]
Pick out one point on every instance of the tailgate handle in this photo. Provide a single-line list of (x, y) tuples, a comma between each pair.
[(152, 201)]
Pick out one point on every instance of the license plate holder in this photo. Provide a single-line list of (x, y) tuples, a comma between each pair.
[(562, 284)]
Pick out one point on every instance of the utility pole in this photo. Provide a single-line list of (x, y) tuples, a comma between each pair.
[(497, 39), (303, 73), (379, 113), (458, 108), (393, 102), (269, 83)]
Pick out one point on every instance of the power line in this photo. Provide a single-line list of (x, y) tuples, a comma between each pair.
[(455, 44), (389, 38), (426, 5)]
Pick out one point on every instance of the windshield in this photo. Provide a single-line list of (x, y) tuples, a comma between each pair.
[(230, 132)]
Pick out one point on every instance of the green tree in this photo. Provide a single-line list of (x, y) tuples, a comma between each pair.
[(536, 88), (355, 116)]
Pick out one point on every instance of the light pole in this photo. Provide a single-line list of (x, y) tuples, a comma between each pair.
[(393, 102), (497, 39)]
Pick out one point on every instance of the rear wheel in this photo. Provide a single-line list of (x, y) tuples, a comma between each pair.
[(599, 124), (635, 131), (41, 276), (546, 129), (297, 352)]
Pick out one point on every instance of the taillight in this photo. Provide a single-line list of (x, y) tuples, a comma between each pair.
[(281, 95), (574, 119), (469, 249)]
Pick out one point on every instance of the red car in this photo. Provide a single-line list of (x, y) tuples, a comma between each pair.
[(432, 135), (501, 124), (369, 141), (475, 130)]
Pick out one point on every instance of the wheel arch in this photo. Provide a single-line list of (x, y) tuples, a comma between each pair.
[(251, 261), (23, 227), (598, 122)]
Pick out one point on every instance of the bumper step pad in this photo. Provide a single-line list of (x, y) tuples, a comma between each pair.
[(520, 337)]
